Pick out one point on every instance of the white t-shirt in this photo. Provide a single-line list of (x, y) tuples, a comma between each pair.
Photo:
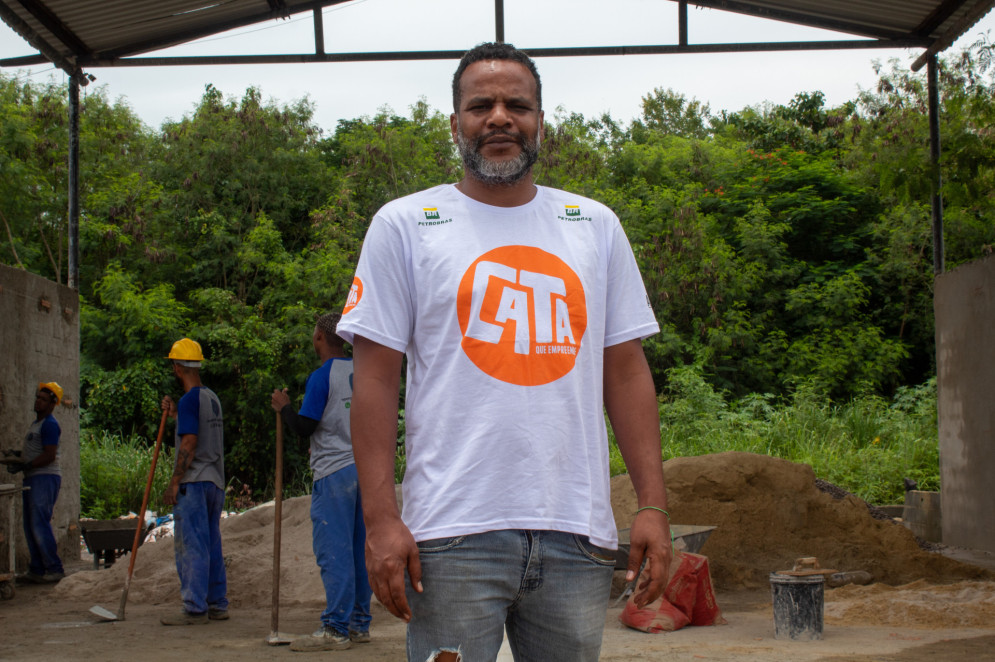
[(504, 314)]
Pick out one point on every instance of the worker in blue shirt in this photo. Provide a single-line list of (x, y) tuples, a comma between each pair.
[(40, 464), (338, 532)]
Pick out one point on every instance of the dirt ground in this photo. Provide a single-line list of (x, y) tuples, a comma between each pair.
[(923, 604)]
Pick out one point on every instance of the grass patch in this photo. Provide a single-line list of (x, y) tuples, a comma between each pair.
[(113, 471), (866, 446)]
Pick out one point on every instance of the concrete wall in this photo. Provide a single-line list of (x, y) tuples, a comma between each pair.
[(39, 337), (964, 305)]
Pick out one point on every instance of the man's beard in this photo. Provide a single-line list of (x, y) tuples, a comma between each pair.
[(498, 173)]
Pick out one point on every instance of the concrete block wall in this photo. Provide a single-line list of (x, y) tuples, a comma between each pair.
[(964, 306), (39, 342)]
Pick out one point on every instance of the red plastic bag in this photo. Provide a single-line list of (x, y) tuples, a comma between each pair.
[(688, 600)]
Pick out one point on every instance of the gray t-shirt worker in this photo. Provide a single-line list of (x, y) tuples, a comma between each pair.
[(197, 492), (338, 532)]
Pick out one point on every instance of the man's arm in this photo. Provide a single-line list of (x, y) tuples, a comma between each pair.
[(43, 459), (184, 456), (630, 399), (390, 547), (300, 425)]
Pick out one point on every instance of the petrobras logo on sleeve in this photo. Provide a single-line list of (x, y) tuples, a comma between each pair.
[(355, 294), (522, 313)]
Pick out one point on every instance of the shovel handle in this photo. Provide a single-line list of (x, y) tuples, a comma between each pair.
[(277, 520), (141, 517)]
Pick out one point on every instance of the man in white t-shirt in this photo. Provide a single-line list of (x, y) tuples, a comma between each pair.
[(521, 310)]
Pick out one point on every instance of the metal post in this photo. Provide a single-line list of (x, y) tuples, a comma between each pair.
[(499, 21), (319, 32), (934, 160), (682, 23), (72, 278)]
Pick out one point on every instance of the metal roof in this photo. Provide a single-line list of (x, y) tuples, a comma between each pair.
[(76, 34)]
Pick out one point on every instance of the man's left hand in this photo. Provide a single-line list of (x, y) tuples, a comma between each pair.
[(649, 539), (18, 467)]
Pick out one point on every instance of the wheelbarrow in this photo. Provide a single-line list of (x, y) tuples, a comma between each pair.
[(106, 539), (693, 536)]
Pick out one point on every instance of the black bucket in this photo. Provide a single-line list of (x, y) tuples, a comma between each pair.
[(798, 605)]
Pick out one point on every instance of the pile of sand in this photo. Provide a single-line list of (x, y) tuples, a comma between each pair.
[(769, 512), (919, 604), (247, 541)]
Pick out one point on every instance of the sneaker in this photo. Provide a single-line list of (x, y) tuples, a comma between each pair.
[(324, 638), (52, 577), (358, 637), (184, 618), (216, 614)]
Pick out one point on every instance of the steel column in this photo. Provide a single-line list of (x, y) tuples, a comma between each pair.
[(499, 21), (936, 198), (72, 279)]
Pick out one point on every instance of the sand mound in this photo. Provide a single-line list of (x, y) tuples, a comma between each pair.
[(769, 512), (920, 604), (248, 549)]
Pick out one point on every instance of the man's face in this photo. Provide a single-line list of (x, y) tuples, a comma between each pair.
[(498, 126), (44, 402), (317, 340)]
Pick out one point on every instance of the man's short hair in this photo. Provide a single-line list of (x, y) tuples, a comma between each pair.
[(494, 51), (326, 324)]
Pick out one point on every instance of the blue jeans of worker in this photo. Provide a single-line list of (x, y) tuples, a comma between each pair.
[(339, 540), (38, 503), (548, 588), (197, 546)]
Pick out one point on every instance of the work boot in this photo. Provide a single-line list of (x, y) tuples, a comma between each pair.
[(216, 614), (52, 577), (357, 637), (184, 618), (325, 638), (31, 578)]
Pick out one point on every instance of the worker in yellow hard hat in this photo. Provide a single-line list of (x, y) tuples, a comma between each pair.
[(40, 464), (196, 491)]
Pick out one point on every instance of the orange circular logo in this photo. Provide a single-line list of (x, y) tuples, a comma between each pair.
[(355, 294), (522, 313)]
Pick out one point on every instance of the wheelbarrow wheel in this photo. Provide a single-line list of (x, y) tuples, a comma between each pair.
[(6, 590)]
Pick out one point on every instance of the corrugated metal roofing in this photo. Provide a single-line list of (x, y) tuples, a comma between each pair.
[(94, 33)]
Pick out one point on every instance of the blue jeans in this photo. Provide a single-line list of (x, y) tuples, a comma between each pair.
[(339, 541), (197, 546), (548, 588), (38, 503)]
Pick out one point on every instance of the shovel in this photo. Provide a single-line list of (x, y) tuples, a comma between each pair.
[(107, 614), (276, 637)]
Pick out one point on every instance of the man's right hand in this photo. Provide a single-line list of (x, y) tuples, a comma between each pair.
[(169, 406), (279, 399), (390, 550)]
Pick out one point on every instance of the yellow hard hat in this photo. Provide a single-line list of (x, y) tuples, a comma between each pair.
[(54, 388), (187, 352)]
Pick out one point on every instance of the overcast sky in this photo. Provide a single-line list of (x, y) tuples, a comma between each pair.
[(589, 85)]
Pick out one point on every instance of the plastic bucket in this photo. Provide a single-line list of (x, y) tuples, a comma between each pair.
[(798, 606)]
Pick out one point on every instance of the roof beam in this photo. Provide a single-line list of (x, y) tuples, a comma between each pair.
[(388, 56), (936, 18), (175, 38), (48, 53), (974, 14), (51, 22), (799, 18)]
